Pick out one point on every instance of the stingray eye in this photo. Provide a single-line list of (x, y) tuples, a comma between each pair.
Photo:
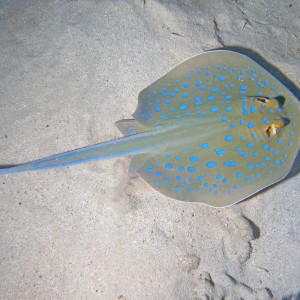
[(262, 99), (274, 128), (271, 131)]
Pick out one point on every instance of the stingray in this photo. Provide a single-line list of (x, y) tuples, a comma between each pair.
[(215, 129)]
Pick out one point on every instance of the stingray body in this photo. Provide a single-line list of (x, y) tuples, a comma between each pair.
[(215, 129)]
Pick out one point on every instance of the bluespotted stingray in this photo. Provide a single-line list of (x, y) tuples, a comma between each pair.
[(216, 129)]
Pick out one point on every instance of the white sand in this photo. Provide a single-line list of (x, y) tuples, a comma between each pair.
[(68, 71)]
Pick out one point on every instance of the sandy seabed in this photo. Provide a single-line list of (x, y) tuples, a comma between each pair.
[(68, 71)]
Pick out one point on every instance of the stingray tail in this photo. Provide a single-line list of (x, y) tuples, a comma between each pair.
[(133, 144)]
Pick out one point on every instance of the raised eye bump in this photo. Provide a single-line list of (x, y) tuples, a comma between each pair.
[(274, 128)]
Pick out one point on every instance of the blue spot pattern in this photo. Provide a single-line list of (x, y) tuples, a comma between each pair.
[(236, 157)]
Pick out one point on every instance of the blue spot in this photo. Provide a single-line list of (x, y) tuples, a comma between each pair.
[(204, 146), (158, 174), (178, 157), (191, 169), (222, 78), (211, 97), (225, 180), (255, 154), (220, 151), (275, 152), (167, 101), (219, 176), (198, 83), (157, 101), (250, 166), (176, 90), (239, 175), (244, 153), (250, 125), (183, 107), (186, 85), (232, 125), (168, 166), (243, 88), (197, 98), (267, 158), (148, 170), (166, 180), (164, 116), (157, 108), (206, 185), (279, 141), (253, 109), (229, 108), (178, 178), (242, 138), (224, 119), (180, 168), (168, 155), (178, 188), (215, 89), (194, 159), (200, 178), (202, 88), (214, 109), (230, 163), (185, 95), (229, 138), (249, 145), (265, 146), (211, 164), (259, 84), (271, 111)]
